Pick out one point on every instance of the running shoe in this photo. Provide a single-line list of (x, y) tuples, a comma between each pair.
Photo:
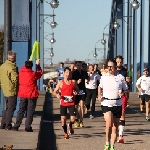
[(66, 136), (147, 118), (112, 148), (91, 117), (121, 139), (76, 124), (106, 147), (81, 124), (71, 130), (85, 109)]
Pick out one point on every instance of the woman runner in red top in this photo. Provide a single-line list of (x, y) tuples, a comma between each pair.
[(67, 101)]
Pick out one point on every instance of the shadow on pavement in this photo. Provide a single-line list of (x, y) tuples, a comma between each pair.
[(46, 137)]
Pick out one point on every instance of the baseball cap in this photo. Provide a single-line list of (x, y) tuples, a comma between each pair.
[(146, 69)]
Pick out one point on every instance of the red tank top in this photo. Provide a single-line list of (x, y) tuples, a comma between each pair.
[(67, 90)]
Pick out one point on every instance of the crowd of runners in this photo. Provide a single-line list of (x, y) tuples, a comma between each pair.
[(80, 85)]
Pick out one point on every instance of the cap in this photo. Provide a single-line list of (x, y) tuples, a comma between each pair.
[(146, 69)]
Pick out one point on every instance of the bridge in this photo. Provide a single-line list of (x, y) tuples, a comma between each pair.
[(126, 36)]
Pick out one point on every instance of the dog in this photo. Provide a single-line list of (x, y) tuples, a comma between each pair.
[(7, 147)]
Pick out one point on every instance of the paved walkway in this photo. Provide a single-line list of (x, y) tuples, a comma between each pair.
[(48, 134), (92, 136)]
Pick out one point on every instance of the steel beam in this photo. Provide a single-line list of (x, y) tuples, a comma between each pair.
[(142, 18), (149, 38), (134, 76), (7, 27)]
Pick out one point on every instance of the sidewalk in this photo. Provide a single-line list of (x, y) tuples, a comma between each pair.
[(92, 136), (22, 140)]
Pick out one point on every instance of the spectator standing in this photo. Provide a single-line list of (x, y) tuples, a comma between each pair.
[(28, 93), (9, 85)]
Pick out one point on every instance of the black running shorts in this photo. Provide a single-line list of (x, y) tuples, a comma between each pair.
[(63, 110), (145, 98), (116, 110), (79, 98)]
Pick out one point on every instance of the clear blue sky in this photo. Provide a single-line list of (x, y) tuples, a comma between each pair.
[(80, 26)]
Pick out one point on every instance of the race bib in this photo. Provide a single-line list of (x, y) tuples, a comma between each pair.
[(68, 99), (81, 92)]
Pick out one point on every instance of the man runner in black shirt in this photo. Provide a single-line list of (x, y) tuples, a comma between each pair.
[(79, 75), (123, 71)]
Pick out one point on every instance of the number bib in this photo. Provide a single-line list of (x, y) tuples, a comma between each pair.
[(81, 92), (68, 99)]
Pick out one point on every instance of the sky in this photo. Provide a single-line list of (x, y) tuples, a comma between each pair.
[(80, 26)]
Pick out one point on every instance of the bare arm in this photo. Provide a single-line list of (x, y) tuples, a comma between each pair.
[(55, 92), (100, 91)]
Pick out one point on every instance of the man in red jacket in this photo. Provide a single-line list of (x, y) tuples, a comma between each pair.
[(28, 93)]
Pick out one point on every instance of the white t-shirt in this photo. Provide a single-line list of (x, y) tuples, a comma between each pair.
[(111, 86), (104, 71), (144, 82), (92, 84)]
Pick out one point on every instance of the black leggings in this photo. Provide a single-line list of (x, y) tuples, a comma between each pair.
[(91, 94)]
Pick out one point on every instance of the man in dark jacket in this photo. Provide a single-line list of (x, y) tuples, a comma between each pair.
[(28, 93)]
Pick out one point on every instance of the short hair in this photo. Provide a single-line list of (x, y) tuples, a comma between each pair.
[(84, 64), (67, 68), (91, 65), (61, 63), (96, 65), (78, 62), (11, 54), (119, 56), (114, 61), (29, 64)]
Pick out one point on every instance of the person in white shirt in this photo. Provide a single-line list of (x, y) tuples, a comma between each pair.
[(143, 86), (91, 89), (110, 90)]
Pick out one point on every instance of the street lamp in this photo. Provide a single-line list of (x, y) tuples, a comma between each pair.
[(52, 40), (54, 3), (95, 54), (51, 52), (135, 4), (116, 25), (51, 63)]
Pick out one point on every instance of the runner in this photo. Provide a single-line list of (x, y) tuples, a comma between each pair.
[(91, 89), (110, 97), (143, 86), (79, 75), (67, 101), (104, 70), (121, 70), (96, 69), (60, 71)]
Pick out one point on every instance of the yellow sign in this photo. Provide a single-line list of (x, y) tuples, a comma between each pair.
[(35, 50)]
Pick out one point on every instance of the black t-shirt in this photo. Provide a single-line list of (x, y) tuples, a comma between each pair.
[(123, 72), (76, 75), (98, 71), (70, 75)]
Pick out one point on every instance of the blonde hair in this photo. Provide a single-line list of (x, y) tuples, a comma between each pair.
[(11, 55)]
